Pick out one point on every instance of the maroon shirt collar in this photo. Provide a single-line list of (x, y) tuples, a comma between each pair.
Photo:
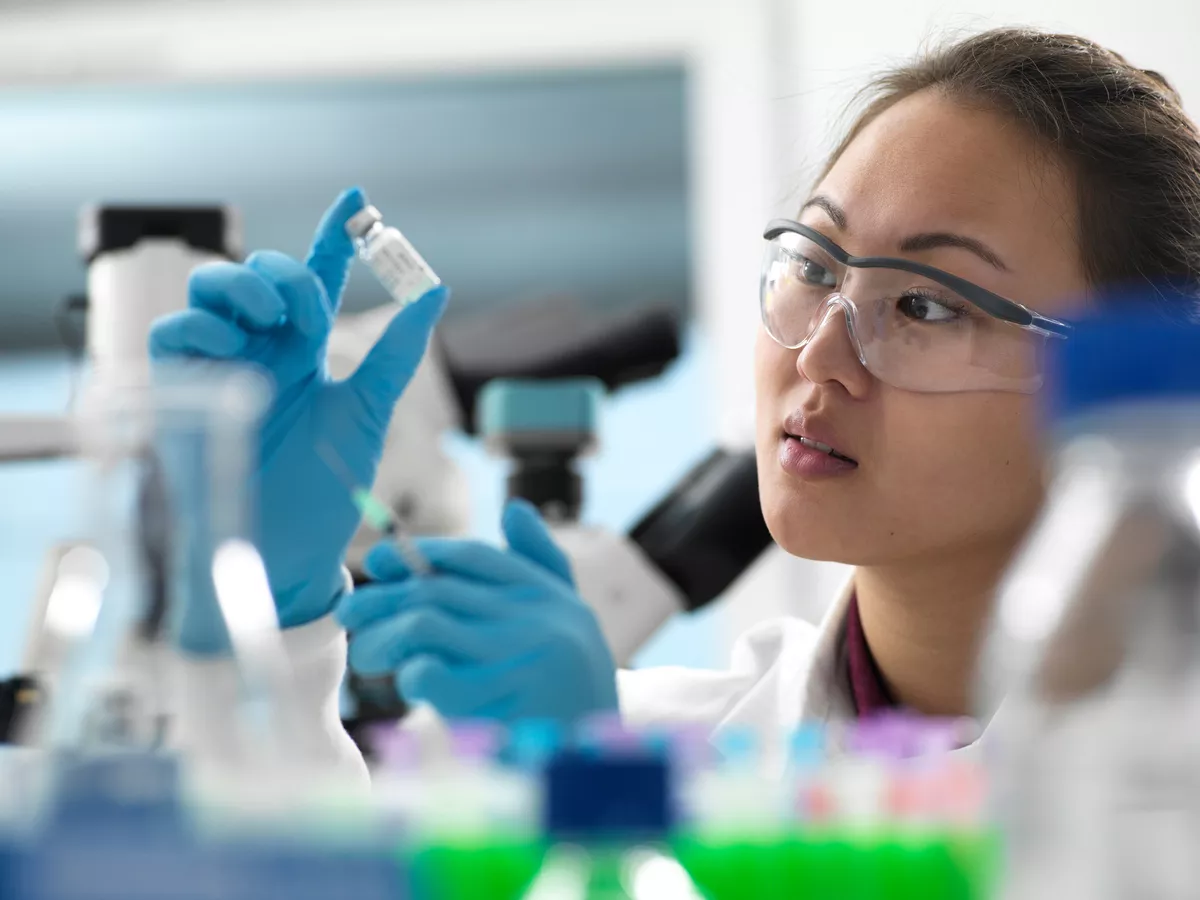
[(867, 687)]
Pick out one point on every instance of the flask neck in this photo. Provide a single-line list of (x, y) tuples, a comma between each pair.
[(1144, 449), (1155, 427)]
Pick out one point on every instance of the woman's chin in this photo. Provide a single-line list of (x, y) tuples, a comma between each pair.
[(808, 539)]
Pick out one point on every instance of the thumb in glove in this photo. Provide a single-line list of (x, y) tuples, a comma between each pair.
[(390, 365), (527, 536)]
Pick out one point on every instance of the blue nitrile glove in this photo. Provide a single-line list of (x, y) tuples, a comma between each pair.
[(276, 313), (492, 633)]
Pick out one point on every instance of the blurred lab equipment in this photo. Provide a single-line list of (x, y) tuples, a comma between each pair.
[(144, 573), (531, 812), (1092, 662), (133, 825), (544, 426), (609, 819), (139, 259)]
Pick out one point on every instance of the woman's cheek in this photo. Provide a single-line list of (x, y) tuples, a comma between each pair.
[(968, 466)]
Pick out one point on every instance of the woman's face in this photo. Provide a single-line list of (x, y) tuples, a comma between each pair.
[(936, 473)]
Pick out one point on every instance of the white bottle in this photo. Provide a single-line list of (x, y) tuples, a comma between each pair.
[(1092, 662), (388, 253)]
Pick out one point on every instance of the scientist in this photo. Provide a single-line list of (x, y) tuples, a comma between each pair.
[(1004, 177)]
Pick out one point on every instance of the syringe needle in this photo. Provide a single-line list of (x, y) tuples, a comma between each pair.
[(375, 512)]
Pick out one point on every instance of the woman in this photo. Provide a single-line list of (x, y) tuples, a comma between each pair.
[(1007, 177)]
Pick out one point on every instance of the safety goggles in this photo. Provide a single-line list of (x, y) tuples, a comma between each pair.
[(912, 326)]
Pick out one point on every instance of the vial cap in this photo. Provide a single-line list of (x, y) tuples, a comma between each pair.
[(363, 221), (1136, 350)]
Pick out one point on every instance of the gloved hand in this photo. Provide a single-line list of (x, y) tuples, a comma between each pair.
[(497, 634), (276, 313)]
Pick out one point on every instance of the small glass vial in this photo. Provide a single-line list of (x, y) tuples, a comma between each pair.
[(395, 262)]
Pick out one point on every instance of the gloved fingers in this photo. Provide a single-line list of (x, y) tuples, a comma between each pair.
[(236, 292), (384, 646), (383, 562), (332, 250), (373, 603), (455, 691), (307, 307), (389, 365), (528, 536), (484, 562), (196, 332)]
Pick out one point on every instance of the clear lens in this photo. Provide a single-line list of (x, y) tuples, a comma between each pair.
[(910, 332)]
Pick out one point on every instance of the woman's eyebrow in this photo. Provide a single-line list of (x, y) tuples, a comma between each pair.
[(934, 239), (835, 212), (917, 242)]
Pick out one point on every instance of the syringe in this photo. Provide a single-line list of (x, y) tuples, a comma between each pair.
[(377, 514), (377, 692)]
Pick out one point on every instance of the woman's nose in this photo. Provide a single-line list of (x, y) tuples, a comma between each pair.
[(831, 355)]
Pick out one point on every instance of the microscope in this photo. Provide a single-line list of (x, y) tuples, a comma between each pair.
[(138, 262)]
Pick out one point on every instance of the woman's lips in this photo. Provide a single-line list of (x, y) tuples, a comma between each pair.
[(806, 458)]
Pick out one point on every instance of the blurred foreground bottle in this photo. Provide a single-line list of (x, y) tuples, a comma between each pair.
[(608, 817), (1091, 667)]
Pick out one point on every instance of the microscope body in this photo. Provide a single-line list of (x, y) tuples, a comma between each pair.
[(139, 259)]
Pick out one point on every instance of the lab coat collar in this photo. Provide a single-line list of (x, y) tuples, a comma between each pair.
[(807, 682), (819, 691)]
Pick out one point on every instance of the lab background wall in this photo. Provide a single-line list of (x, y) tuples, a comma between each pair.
[(750, 95)]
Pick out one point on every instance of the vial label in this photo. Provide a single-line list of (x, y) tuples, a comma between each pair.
[(400, 269)]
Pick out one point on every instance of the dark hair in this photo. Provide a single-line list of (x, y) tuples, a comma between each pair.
[(1121, 131)]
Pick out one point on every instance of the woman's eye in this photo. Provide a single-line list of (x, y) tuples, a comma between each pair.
[(815, 273), (926, 309)]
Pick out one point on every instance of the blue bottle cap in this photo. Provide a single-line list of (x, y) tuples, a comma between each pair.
[(1131, 352), (593, 798)]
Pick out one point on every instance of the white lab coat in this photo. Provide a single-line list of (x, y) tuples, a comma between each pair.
[(783, 672)]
